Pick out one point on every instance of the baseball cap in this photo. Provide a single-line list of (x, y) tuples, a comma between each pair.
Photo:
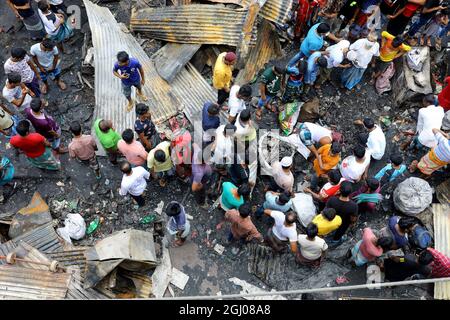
[(230, 56), (286, 162)]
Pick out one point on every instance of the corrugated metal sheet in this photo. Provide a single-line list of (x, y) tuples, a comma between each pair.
[(443, 192), (277, 11), (44, 238), (441, 218), (76, 290), (25, 283), (68, 258), (267, 47), (188, 90), (197, 23)]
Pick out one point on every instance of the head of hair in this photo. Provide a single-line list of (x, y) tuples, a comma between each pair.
[(284, 198), (346, 188), (160, 155), (322, 62), (245, 115), (368, 123), (18, 53), (334, 176), (75, 128), (103, 125), (48, 44), (128, 136), (372, 183), (396, 159), (362, 138), (213, 109), (245, 210), (36, 104), (14, 78), (245, 91), (323, 28), (173, 209), (23, 127), (43, 5), (359, 151), (397, 42), (244, 190), (290, 217), (336, 147), (279, 68), (122, 57), (312, 230), (329, 213), (229, 128), (385, 243), (405, 223), (428, 100), (125, 167), (425, 258), (141, 109)]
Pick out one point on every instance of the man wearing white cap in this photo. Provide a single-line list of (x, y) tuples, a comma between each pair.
[(283, 179)]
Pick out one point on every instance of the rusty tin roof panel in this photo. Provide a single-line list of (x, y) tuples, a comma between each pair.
[(274, 10)]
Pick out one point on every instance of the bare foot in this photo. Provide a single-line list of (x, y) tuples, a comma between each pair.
[(141, 96)]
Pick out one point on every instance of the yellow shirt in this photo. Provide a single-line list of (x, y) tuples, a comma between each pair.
[(160, 166), (325, 226), (222, 73), (329, 162), (387, 52)]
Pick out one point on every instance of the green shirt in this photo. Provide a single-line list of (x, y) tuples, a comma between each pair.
[(228, 199), (271, 80), (107, 140)]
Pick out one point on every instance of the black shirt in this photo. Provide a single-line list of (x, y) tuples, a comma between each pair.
[(428, 5), (399, 271), (344, 209), (24, 13), (387, 9), (238, 174)]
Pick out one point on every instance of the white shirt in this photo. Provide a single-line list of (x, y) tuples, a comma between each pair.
[(318, 132), (376, 143), (16, 93), (224, 146), (245, 132), (49, 24), (45, 58), (283, 180), (311, 250), (352, 170), (280, 230), (336, 55), (235, 104), (429, 118), (361, 56), (135, 183)]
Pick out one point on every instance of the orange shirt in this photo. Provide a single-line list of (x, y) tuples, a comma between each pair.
[(328, 161)]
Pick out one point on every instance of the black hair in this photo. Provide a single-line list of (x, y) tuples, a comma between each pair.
[(284, 198), (362, 138), (75, 128), (245, 91), (14, 77), (245, 210), (312, 230), (323, 28), (336, 147), (125, 167), (141, 109), (345, 188), (279, 68), (372, 183), (43, 6), (290, 217), (160, 156), (405, 223), (329, 213), (244, 190), (428, 99), (173, 209), (128, 136), (229, 127), (359, 151), (23, 127), (322, 62), (122, 57), (245, 115), (18, 53), (334, 176), (396, 159), (397, 42), (425, 258), (385, 243), (103, 127), (36, 104), (213, 109), (48, 44), (368, 123)]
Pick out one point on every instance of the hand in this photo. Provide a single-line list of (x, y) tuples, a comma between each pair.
[(442, 7), (326, 53), (358, 122), (226, 89), (307, 190), (143, 81), (390, 17), (347, 65)]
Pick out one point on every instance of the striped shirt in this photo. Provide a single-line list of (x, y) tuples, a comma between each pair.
[(442, 150)]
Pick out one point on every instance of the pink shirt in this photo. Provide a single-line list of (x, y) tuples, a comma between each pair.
[(82, 147), (368, 248), (134, 152)]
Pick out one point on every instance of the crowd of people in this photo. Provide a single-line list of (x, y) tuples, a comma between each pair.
[(342, 38)]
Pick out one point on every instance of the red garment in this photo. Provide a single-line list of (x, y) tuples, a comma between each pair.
[(410, 9), (304, 11), (32, 145), (440, 267), (444, 96)]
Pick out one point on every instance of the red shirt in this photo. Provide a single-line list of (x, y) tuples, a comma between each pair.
[(32, 145), (410, 9), (444, 96), (440, 267)]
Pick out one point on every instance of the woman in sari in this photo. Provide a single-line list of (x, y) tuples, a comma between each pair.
[(24, 11)]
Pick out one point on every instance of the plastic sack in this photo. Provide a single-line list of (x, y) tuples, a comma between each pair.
[(415, 60), (303, 205), (413, 196), (74, 228), (288, 116)]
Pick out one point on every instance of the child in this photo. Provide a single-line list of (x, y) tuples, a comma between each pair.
[(131, 73), (392, 170), (83, 148), (177, 225)]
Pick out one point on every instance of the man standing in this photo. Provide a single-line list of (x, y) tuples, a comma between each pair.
[(134, 182), (242, 227), (131, 73), (376, 140), (145, 128), (201, 173), (269, 86), (21, 63), (222, 74), (354, 168), (132, 149), (35, 147), (108, 138), (316, 61), (210, 121), (16, 93), (45, 124), (327, 221), (429, 10), (314, 39), (282, 177), (237, 100), (46, 58), (283, 232), (177, 225), (159, 162)]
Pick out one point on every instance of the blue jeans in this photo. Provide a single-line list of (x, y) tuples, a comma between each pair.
[(262, 103), (54, 75), (417, 25)]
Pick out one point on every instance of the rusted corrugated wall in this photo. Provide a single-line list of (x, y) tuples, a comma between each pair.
[(196, 23)]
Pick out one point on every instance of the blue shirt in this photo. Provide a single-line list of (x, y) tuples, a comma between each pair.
[(209, 122), (313, 68), (312, 41), (271, 203), (394, 174), (132, 70)]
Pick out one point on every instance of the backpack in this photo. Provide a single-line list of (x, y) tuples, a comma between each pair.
[(420, 237)]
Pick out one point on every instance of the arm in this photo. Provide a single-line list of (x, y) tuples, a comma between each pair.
[(333, 37), (145, 141), (141, 71), (18, 102), (262, 90), (36, 62), (399, 12), (268, 212), (314, 195), (55, 61), (13, 9), (35, 70), (293, 246)]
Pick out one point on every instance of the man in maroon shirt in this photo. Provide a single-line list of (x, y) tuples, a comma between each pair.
[(35, 147)]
